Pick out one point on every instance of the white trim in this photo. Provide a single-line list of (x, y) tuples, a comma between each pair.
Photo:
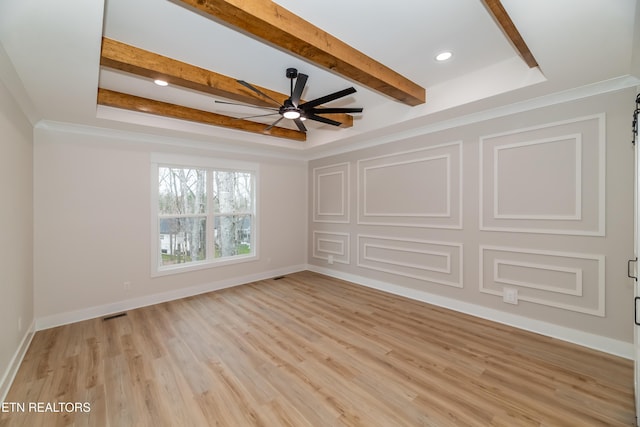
[(361, 190), (154, 244), (446, 256), (599, 116), (10, 374), (203, 265), (339, 242), (601, 178), (426, 278), (445, 214), (544, 231), (577, 272), (345, 247), (342, 203), (577, 206), (65, 318), (597, 342), (158, 160), (600, 259), (181, 160), (602, 170), (345, 196)]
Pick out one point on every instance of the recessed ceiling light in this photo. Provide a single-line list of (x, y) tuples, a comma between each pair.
[(443, 56), (160, 82)]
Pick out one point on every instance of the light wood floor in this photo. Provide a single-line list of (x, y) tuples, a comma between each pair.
[(308, 350)]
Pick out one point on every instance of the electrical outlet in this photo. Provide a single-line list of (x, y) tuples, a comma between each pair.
[(330, 259), (127, 286), (510, 295)]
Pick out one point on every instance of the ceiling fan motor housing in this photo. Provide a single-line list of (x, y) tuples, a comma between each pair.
[(292, 73), (289, 110)]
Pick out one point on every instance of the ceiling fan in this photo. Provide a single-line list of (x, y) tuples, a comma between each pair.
[(292, 109)]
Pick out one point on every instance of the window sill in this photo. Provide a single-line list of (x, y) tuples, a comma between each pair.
[(202, 265)]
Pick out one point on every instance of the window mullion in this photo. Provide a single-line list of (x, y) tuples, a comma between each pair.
[(211, 244), (161, 216)]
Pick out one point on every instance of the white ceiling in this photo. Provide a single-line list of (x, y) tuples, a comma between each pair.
[(53, 49)]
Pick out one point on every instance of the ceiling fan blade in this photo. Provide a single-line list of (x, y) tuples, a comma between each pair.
[(335, 110), (327, 98), (268, 128), (297, 92), (323, 120), (259, 92), (253, 117), (245, 105), (300, 125)]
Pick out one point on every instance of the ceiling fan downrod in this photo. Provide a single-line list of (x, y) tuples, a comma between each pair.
[(289, 110)]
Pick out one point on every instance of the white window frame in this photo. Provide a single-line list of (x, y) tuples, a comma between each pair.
[(159, 160)]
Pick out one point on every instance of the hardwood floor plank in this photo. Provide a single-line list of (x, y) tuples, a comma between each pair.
[(310, 350), (175, 394), (121, 405), (98, 414), (280, 412)]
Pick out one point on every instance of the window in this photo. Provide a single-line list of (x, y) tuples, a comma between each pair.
[(203, 214)]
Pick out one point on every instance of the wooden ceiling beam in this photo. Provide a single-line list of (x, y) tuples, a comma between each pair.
[(135, 103), (266, 20), (509, 29), (140, 62)]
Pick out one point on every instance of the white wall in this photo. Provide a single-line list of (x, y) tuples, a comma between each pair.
[(92, 226), (540, 202), (16, 244)]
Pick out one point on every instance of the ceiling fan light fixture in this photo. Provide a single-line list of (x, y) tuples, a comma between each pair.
[(291, 114)]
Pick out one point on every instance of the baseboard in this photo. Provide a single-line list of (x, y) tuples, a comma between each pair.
[(585, 339), (16, 361), (54, 320)]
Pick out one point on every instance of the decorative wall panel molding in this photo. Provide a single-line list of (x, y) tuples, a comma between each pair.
[(502, 268), (545, 179), (417, 188), (331, 245), (566, 150), (430, 261), (331, 193), (569, 281)]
